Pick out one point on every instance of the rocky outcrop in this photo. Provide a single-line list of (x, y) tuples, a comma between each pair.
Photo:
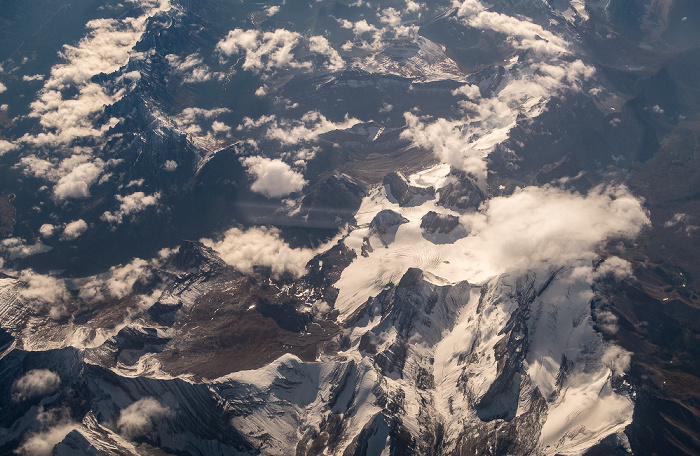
[(333, 201), (399, 188), (461, 193), (441, 223), (385, 224)]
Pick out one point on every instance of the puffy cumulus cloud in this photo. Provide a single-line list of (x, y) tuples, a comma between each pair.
[(263, 50), (35, 77), (107, 47), (260, 247), (273, 177), (36, 382), (320, 45), (169, 165), (55, 425), (360, 27), (6, 146), (614, 266), (191, 68), (73, 230), (523, 34), (220, 128), (77, 183), (191, 120), (414, 7), (3, 87), (74, 175), (311, 125), (42, 288), (617, 359), (67, 120), (31, 165), (130, 205), (549, 227), (390, 16), (447, 140), (606, 322), (47, 230), (138, 418), (468, 7), (118, 282)]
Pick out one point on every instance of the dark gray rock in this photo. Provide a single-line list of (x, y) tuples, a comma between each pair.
[(402, 191), (385, 224), (462, 194), (442, 223)]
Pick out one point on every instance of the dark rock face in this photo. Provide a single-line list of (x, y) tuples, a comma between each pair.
[(402, 191), (333, 201), (463, 194), (195, 257), (385, 220), (385, 224), (566, 172), (488, 79), (442, 223)]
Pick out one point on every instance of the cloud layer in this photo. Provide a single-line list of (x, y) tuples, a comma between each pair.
[(36, 382), (260, 247), (273, 178), (137, 419)]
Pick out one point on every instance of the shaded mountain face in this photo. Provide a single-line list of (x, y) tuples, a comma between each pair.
[(349, 228)]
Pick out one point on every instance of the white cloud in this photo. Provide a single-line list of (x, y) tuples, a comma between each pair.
[(523, 34), (447, 140), (261, 91), (105, 49), (271, 11), (362, 27), (391, 17), (614, 266), (40, 287), (36, 382), (55, 424), (36, 77), (191, 68), (73, 230), (118, 282), (414, 7), (220, 128), (170, 165), (107, 46), (468, 7), (320, 45), (190, 120), (606, 322), (273, 178), (546, 226), (464, 143), (130, 205), (6, 146), (676, 219), (137, 419), (260, 247), (263, 51), (3, 87), (311, 125), (76, 184), (617, 359), (47, 230)]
